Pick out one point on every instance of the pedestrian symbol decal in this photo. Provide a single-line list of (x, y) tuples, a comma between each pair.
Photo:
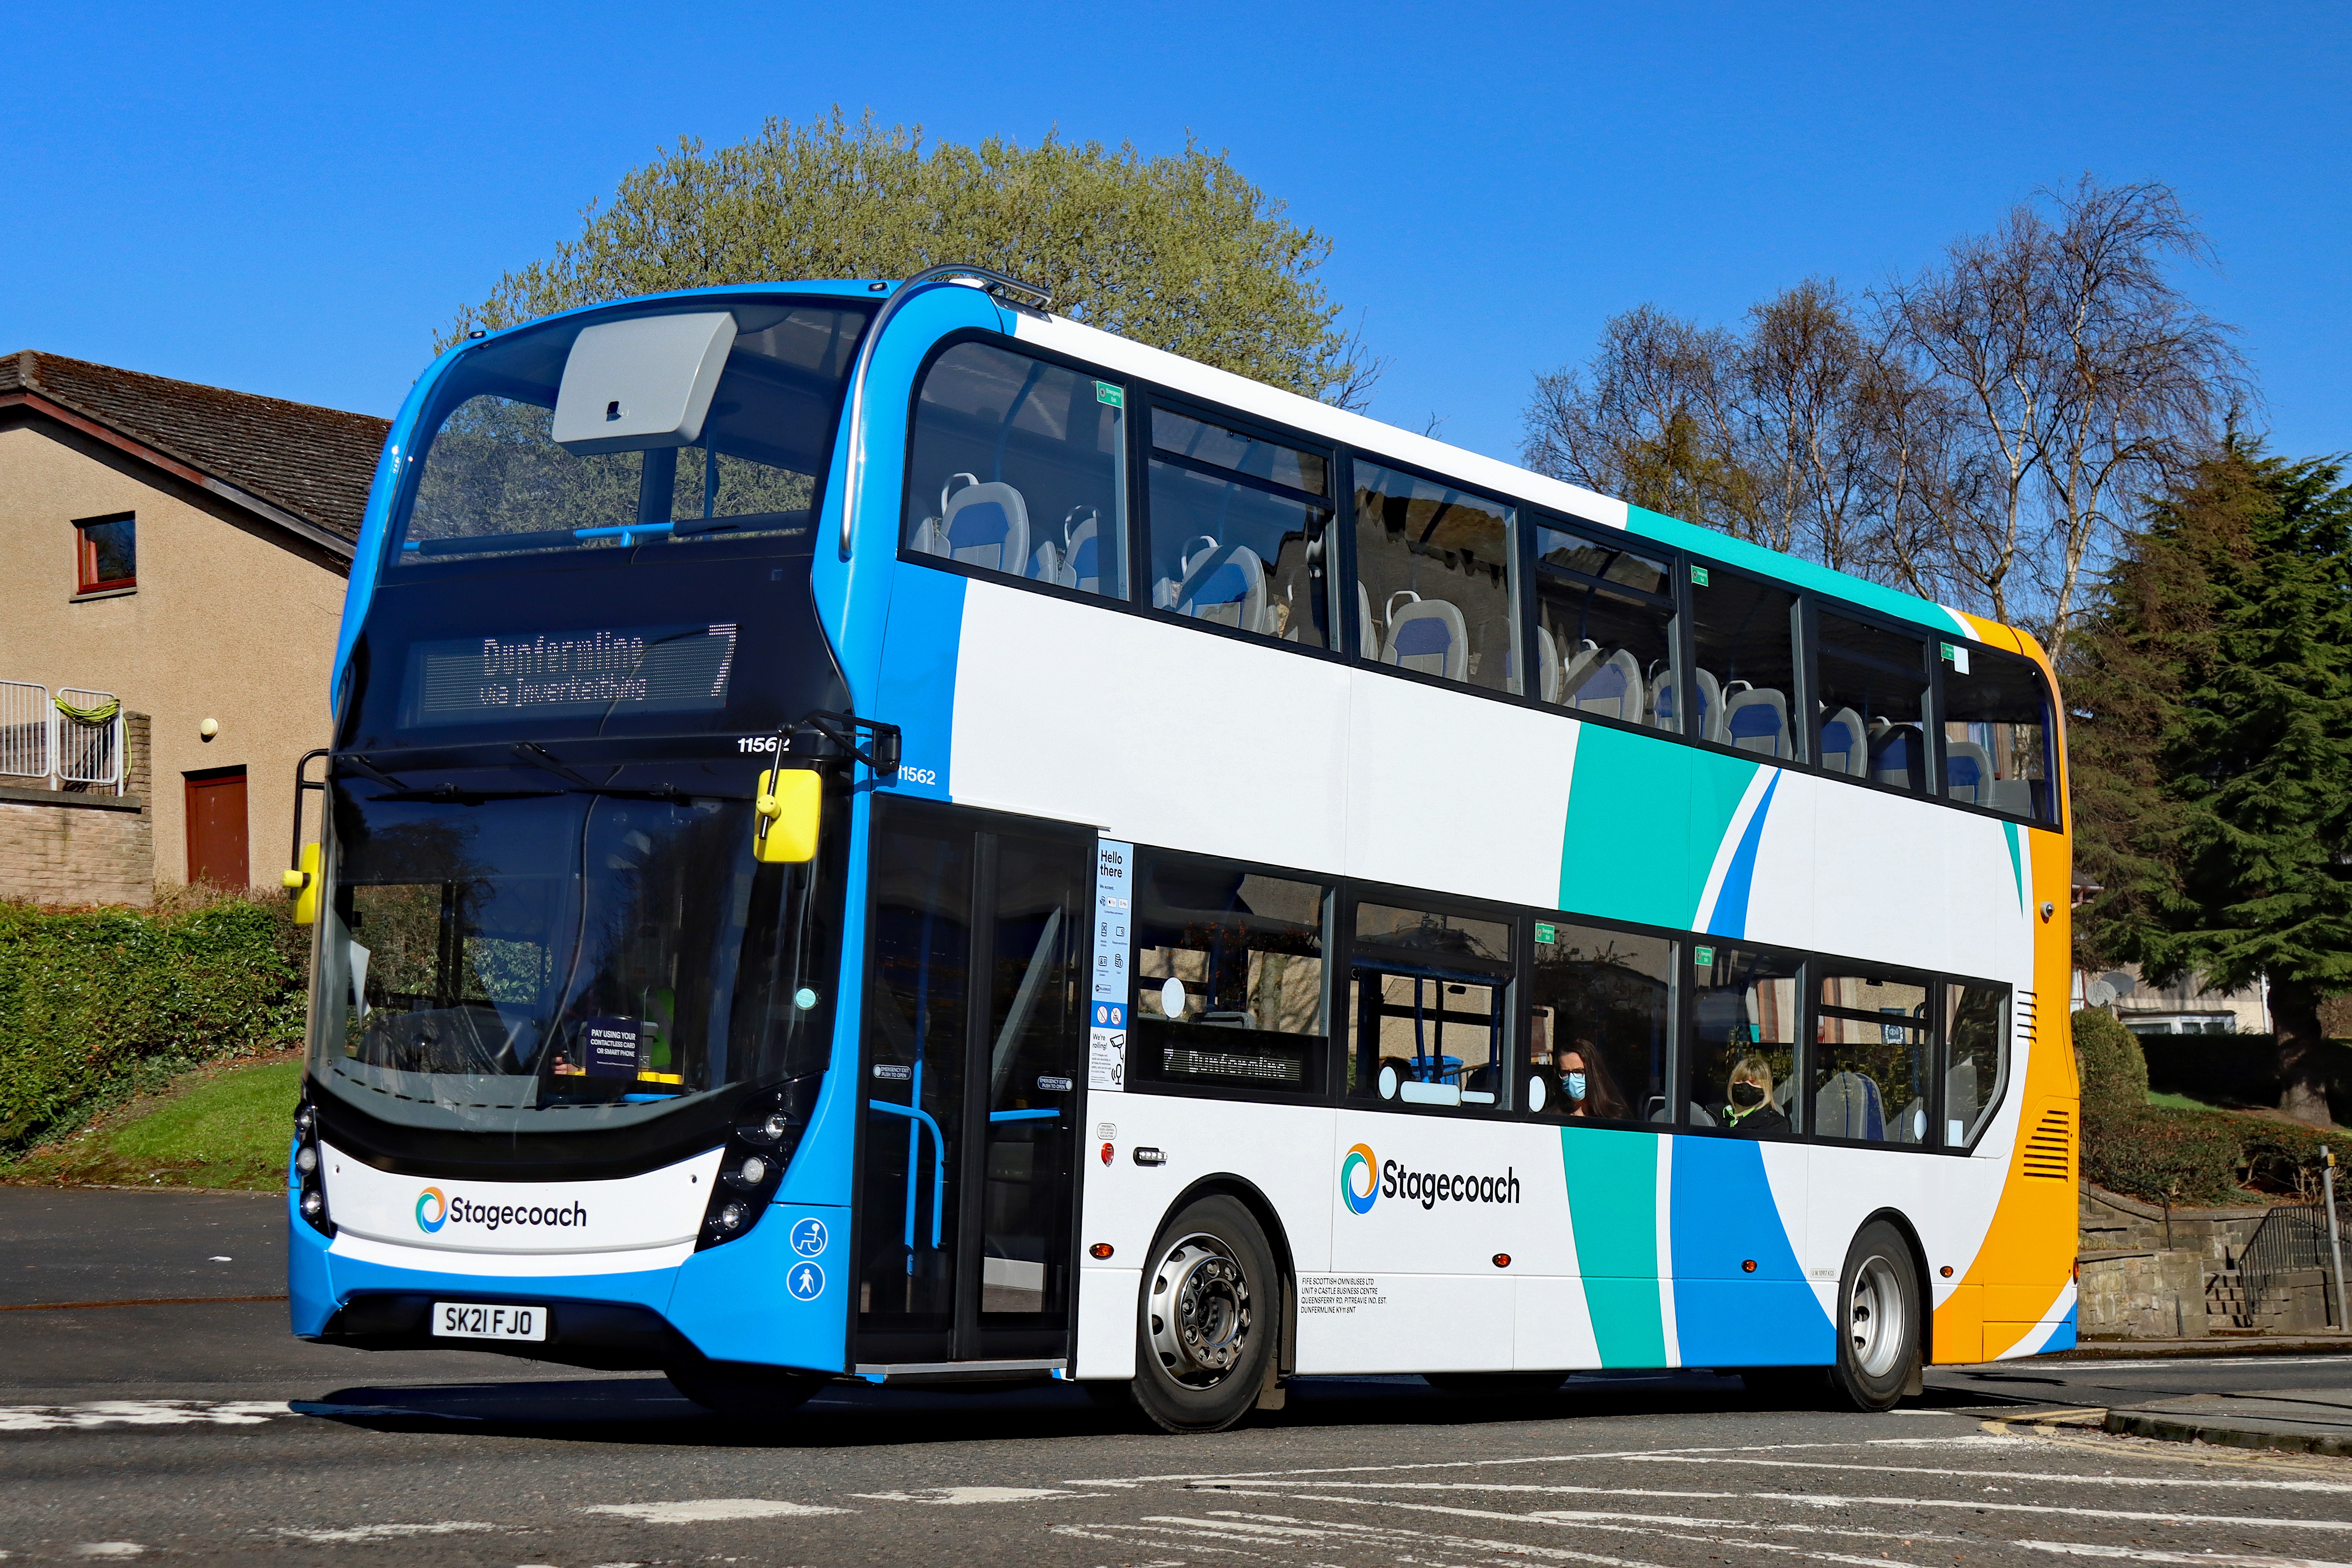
[(807, 1282)]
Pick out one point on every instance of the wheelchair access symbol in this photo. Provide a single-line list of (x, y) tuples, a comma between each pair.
[(809, 1237), (807, 1282)]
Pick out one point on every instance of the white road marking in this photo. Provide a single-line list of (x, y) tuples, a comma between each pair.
[(109, 1549), (2174, 1363), (1832, 1500), (962, 1495), (2001, 1475), (700, 1510), (348, 1535), (2219, 1559), (1745, 1541), (1968, 1441), (141, 1413)]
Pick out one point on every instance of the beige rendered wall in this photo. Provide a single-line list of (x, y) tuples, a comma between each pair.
[(226, 624)]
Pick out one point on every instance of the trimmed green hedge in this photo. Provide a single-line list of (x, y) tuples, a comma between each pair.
[(2169, 1155), (96, 1004)]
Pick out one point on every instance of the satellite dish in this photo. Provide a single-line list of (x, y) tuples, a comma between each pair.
[(2119, 982), (2099, 993)]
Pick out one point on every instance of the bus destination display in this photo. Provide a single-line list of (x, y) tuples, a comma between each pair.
[(604, 671)]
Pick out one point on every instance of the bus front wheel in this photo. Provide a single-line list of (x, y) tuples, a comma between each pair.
[(1211, 1310), (1878, 1320)]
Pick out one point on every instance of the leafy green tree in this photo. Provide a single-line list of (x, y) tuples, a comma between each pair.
[(1181, 252), (2214, 751)]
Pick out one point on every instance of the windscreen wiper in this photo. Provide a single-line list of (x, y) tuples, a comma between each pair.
[(539, 756)]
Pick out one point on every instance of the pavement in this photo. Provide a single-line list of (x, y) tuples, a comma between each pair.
[(192, 1427)]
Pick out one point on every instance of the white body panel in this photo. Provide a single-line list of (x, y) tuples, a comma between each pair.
[(660, 1209)]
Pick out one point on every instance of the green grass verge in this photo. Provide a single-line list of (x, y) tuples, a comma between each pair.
[(2180, 1101), (225, 1127)]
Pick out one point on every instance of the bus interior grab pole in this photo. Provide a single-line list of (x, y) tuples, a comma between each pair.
[(853, 486)]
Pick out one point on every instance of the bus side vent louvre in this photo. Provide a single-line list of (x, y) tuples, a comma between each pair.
[(2029, 1018), (2046, 1152)]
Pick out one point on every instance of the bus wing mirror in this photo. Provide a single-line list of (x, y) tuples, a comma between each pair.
[(785, 816), (303, 883)]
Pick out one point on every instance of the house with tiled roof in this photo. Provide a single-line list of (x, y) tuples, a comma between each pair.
[(176, 555)]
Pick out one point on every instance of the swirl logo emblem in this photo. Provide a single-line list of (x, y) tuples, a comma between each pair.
[(1360, 1158), (433, 1199)]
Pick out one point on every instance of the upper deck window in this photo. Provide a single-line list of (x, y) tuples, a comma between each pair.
[(494, 481), (1238, 526), (1433, 579), (1604, 629), (1020, 466), (1996, 733)]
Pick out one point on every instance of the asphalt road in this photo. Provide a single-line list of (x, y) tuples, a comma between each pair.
[(201, 1431)]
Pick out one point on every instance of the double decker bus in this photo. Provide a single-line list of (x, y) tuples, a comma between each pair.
[(877, 831)]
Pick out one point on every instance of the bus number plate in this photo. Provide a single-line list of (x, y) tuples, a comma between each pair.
[(473, 1321)]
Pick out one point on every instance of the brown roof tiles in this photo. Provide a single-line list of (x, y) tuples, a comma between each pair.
[(315, 463)]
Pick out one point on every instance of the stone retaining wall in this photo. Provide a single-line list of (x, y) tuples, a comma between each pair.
[(83, 846)]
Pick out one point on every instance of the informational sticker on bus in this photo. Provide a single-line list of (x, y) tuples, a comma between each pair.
[(596, 672), (1106, 1013)]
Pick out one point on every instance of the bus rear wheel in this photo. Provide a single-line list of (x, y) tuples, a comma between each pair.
[(742, 1392), (1878, 1320), (1211, 1305)]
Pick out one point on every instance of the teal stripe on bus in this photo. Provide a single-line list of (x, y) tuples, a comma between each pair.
[(1613, 1207), (1797, 573), (1646, 819)]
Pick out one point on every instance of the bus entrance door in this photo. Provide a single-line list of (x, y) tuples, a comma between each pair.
[(973, 1041)]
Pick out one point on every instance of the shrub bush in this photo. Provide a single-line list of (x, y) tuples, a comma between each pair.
[(2169, 1155), (96, 1004)]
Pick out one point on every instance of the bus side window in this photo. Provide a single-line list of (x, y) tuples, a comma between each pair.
[(1428, 1014), (1229, 978), (1976, 1054), (1019, 467), (1745, 677), (1240, 530), (1745, 1012), (1596, 1049), (1604, 631), (1873, 686), (1872, 1068), (1996, 733), (1434, 580)]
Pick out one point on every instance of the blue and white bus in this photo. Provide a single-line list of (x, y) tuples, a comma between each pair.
[(877, 831)]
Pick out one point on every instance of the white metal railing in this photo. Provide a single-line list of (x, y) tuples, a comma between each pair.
[(88, 737), (25, 726), (74, 738)]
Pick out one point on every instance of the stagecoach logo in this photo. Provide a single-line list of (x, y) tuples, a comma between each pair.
[(435, 1208), (1365, 1179), (1361, 1164)]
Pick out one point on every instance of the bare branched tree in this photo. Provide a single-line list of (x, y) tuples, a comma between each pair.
[(1963, 433)]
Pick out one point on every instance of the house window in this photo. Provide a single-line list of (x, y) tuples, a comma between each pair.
[(107, 554)]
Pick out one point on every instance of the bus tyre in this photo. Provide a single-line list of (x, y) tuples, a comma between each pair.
[(1878, 1320), (1212, 1307), (741, 1392)]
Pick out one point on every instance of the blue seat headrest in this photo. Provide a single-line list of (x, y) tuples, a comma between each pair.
[(1423, 634), (981, 522)]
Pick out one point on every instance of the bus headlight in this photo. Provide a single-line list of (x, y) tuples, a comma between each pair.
[(308, 1180), (768, 1127)]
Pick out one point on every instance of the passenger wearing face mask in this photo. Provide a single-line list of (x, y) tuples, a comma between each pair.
[(1584, 1084), (1748, 1107)]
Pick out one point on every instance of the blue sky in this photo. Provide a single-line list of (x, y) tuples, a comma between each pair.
[(290, 200)]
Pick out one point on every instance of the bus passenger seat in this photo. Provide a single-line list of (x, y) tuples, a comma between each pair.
[(1842, 750), (1895, 754), (1428, 636), (2014, 796), (1755, 718), (1575, 667), (1848, 1107), (984, 525), (1968, 773), (1076, 562), (1611, 688), (1225, 584), (1548, 654)]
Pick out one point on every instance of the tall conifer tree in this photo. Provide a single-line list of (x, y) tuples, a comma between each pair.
[(2213, 745)]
